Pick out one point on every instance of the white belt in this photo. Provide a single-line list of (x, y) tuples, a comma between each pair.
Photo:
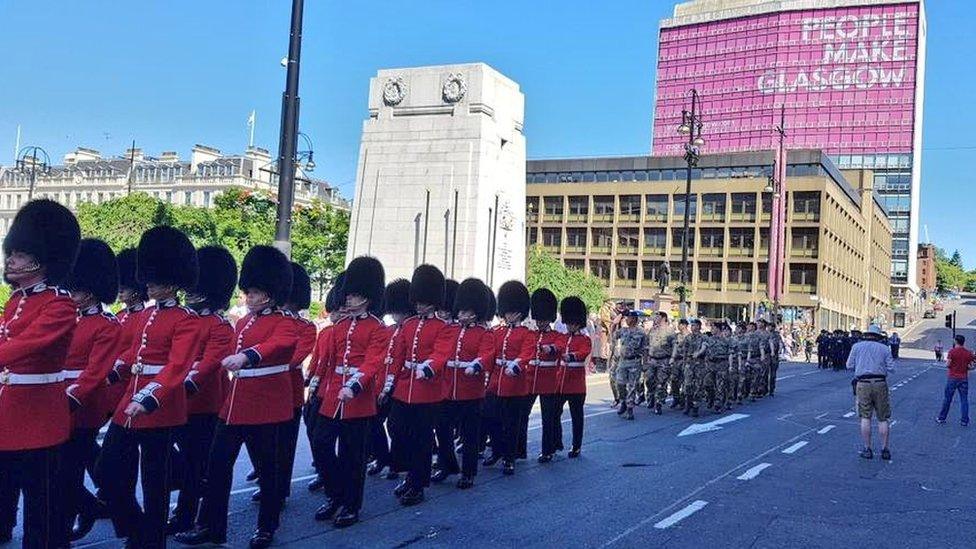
[(459, 364), (543, 363), (346, 370), (413, 365), (261, 372), (9, 378), (146, 369), (501, 362), (71, 374), (575, 364)]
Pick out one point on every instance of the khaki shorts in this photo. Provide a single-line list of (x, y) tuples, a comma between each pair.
[(872, 396)]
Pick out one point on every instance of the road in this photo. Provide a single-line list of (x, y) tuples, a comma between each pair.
[(781, 472)]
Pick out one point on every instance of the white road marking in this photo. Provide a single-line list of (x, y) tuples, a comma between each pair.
[(689, 510), (826, 430), (893, 423), (795, 447), (754, 472), (696, 428), (785, 377), (849, 414), (810, 373)]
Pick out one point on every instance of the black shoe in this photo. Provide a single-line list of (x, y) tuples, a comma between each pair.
[(87, 522), (346, 518), (491, 459), (674, 403), (440, 475), (401, 489), (574, 453), (629, 414), (316, 484), (252, 476), (465, 482), (197, 536), (391, 475), (374, 468), (256, 496), (886, 454), (327, 511), (623, 409), (261, 539), (639, 400), (694, 411), (508, 467), (866, 453), (544, 458), (657, 410), (412, 497)]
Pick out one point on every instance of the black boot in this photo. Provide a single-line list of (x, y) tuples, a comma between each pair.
[(508, 467), (401, 489), (261, 539), (491, 459), (316, 484), (346, 518), (327, 511), (412, 497), (374, 468), (199, 536), (465, 482), (574, 452), (439, 475), (657, 409)]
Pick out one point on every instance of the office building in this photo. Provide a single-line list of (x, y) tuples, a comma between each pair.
[(926, 267)]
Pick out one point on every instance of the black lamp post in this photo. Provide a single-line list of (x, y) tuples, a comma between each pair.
[(33, 159), (691, 125), (289, 132)]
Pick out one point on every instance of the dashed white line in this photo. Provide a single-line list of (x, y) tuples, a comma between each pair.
[(795, 447), (677, 517), (754, 471), (849, 414), (810, 373), (826, 430)]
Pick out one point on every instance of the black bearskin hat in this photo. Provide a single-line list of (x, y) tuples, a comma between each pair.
[(49, 233), (427, 287), (95, 271), (334, 298), (450, 292), (127, 272), (544, 304), (218, 276), (267, 269), (573, 311), (492, 305), (396, 298), (471, 296), (513, 297), (301, 288), (365, 277), (166, 256)]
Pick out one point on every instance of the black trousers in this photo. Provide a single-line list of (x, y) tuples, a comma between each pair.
[(287, 461), (124, 453), (465, 416), (339, 446), (78, 455), (414, 442), (556, 425), (491, 423), (262, 441), (35, 473), (195, 439), (552, 433), (311, 414), (511, 421), (379, 443), (523, 429)]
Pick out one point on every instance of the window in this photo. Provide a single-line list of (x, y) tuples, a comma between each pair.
[(713, 239), (532, 236), (741, 241), (899, 248), (553, 208), (600, 268), (740, 276), (602, 240), (655, 241), (804, 242), (626, 273), (764, 239), (899, 224), (576, 240), (899, 271), (187, 197), (767, 205), (743, 206), (679, 207), (803, 278), (627, 238), (713, 207), (710, 275), (630, 207), (576, 264), (603, 208), (206, 199), (806, 206), (579, 208), (656, 208), (552, 239), (651, 269), (532, 209), (677, 237), (169, 196)]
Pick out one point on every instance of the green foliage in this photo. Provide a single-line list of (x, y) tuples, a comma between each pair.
[(546, 271), (956, 259), (5, 292), (950, 275), (122, 221)]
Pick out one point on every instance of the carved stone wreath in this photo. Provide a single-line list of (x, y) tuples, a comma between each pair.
[(454, 88), (394, 91)]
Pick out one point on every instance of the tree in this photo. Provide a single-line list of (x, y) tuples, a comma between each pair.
[(956, 259), (546, 271), (120, 222), (319, 235)]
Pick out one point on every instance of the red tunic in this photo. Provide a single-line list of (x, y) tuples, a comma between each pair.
[(34, 337), (572, 365), (206, 374), (349, 355), (306, 342), (420, 337), (268, 338), (508, 345), (540, 358), (91, 357), (167, 340), (385, 378), (468, 345), (131, 319)]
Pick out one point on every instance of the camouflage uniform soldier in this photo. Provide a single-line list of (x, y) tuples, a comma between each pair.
[(776, 347), (740, 365), (755, 357), (664, 370), (718, 361), (689, 353), (762, 332), (610, 316), (629, 351)]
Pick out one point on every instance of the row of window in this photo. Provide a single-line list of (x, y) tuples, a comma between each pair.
[(13, 201), (804, 242), (706, 275), (676, 174)]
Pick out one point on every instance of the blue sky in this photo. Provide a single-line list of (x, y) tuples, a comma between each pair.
[(170, 74)]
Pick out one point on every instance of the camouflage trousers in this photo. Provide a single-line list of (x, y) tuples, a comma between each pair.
[(691, 380), (757, 376), (612, 373), (628, 377), (668, 375), (715, 381), (648, 380), (739, 380)]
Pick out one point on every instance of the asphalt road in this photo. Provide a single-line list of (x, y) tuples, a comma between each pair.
[(781, 472)]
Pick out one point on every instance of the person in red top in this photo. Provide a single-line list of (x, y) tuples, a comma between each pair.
[(572, 376), (396, 303), (471, 351), (154, 403), (507, 377), (418, 386), (35, 333), (541, 353), (93, 281), (960, 361), (132, 294), (348, 359), (206, 383), (258, 404)]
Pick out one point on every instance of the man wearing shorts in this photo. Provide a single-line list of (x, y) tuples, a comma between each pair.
[(871, 361)]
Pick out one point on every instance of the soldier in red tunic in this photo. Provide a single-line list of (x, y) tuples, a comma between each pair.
[(507, 376), (38, 322), (91, 356), (541, 353), (418, 387), (572, 378), (471, 351), (396, 303), (350, 355), (206, 383), (259, 404), (154, 368)]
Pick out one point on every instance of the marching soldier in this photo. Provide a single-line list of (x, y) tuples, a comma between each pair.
[(665, 372), (38, 322), (471, 350), (153, 369), (206, 383), (718, 362), (755, 357), (571, 378), (540, 354), (775, 348), (446, 310), (629, 352), (349, 356), (741, 372), (689, 353), (418, 387), (133, 297), (507, 377), (259, 402), (92, 354)]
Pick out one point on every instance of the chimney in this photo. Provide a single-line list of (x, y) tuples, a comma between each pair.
[(202, 154), (169, 156), (82, 154), (131, 153)]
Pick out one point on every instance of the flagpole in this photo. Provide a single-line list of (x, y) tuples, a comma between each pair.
[(251, 122)]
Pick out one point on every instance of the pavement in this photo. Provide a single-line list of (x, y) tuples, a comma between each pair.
[(780, 472)]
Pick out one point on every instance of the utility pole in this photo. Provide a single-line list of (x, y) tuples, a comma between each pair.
[(132, 164), (289, 132)]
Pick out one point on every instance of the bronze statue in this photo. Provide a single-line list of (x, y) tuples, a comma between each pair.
[(664, 276)]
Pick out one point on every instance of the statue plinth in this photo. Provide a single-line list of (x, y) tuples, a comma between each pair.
[(663, 301)]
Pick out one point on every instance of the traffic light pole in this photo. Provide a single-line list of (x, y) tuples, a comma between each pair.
[(950, 322)]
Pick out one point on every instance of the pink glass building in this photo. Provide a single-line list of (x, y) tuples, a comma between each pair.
[(849, 72)]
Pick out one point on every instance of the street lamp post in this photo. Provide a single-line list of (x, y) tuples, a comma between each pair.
[(777, 219), (289, 132), (30, 160), (691, 125)]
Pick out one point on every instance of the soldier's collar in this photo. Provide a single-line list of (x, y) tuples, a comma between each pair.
[(34, 290), (91, 311), (167, 303), (265, 311), (136, 308)]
